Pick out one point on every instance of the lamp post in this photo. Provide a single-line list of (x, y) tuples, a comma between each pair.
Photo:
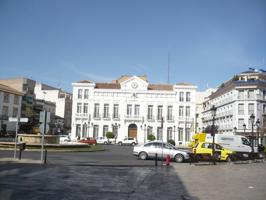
[(258, 126), (252, 119), (174, 132), (235, 130), (144, 132), (244, 126), (213, 113)]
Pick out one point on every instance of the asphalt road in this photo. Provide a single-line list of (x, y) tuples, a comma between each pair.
[(117, 174)]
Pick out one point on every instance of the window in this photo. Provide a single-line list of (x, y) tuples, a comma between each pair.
[(79, 93), (159, 133), (116, 110), (86, 94), (181, 96), (240, 123), (6, 97), (264, 109), (96, 110), (129, 110), (78, 130), (160, 113), (115, 131), (137, 110), (16, 99), (241, 109), (95, 131), (188, 111), (181, 111), (149, 130), (264, 94), (105, 130), (169, 133), (106, 111), (85, 108), (241, 94), (150, 109), (84, 130), (180, 134), (187, 134), (170, 113), (188, 96), (15, 112), (250, 94), (250, 108), (78, 107)]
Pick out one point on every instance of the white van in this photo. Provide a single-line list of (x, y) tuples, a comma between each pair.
[(232, 142)]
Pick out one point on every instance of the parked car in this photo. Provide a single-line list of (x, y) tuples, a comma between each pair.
[(64, 139), (91, 141), (112, 140), (204, 149), (128, 141), (102, 140), (162, 149)]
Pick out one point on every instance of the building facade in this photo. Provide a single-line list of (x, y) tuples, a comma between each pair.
[(10, 106), (132, 107), (236, 100), (62, 100)]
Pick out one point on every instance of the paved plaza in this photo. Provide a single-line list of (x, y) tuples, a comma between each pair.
[(116, 174)]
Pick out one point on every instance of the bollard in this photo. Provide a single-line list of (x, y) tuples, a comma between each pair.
[(156, 159), (19, 155), (45, 156)]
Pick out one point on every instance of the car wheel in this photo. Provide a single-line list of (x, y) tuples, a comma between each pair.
[(133, 144), (105, 143), (143, 155), (199, 157), (229, 159), (216, 156), (179, 158), (120, 143)]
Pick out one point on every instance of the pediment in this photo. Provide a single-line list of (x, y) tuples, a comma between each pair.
[(134, 83)]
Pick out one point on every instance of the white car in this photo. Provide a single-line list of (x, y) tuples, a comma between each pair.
[(162, 149), (64, 139), (128, 141), (102, 140)]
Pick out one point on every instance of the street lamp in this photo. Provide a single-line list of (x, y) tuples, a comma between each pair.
[(213, 113), (244, 126), (144, 132), (252, 119), (258, 126), (174, 132), (235, 130)]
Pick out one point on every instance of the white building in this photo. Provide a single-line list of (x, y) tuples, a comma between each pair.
[(10, 106), (131, 106), (236, 100), (62, 100), (201, 97)]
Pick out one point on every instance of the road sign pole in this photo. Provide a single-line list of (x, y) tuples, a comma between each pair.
[(16, 138), (44, 130)]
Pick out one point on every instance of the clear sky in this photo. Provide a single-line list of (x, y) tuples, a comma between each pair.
[(59, 42)]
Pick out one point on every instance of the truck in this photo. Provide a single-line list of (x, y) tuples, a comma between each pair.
[(237, 143)]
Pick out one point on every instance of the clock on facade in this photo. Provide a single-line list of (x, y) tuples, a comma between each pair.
[(134, 85)]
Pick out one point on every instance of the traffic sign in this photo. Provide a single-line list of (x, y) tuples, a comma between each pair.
[(15, 119), (42, 128), (42, 116)]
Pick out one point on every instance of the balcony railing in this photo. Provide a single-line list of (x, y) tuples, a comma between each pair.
[(150, 118), (96, 116)]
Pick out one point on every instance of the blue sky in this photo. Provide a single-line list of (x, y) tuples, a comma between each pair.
[(59, 42)]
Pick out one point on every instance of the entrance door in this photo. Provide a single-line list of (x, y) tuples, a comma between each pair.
[(132, 130)]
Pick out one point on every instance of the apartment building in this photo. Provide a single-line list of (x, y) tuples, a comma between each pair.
[(236, 100), (131, 106), (10, 106), (62, 100)]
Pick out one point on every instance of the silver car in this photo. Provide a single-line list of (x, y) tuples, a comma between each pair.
[(162, 149)]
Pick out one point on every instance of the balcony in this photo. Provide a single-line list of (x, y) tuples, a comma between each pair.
[(133, 118), (170, 119), (150, 118), (96, 116), (116, 117), (106, 117)]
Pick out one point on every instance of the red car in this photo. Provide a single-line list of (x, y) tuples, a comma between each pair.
[(91, 141)]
